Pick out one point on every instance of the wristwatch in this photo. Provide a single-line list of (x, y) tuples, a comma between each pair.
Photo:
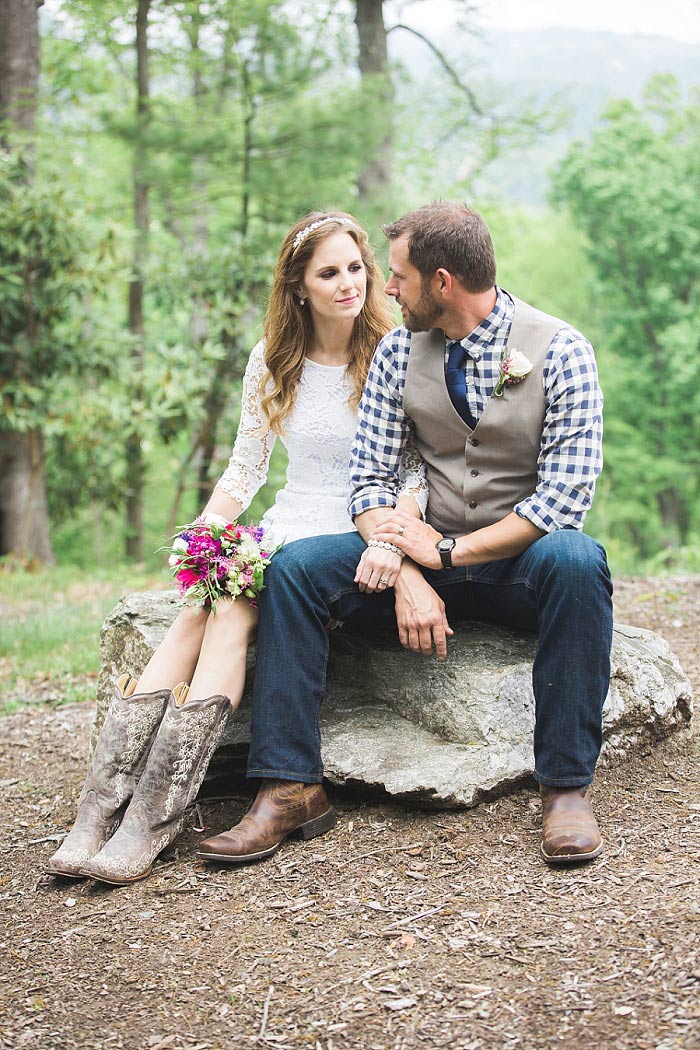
[(444, 547)]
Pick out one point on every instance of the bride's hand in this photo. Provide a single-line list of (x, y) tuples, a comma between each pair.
[(377, 570)]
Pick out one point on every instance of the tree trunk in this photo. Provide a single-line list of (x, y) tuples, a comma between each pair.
[(24, 519), (373, 61), (225, 371), (248, 100), (19, 63), (214, 405), (134, 451), (199, 323), (24, 515), (674, 517)]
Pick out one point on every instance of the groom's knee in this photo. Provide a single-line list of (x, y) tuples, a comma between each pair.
[(574, 559), (291, 559), (314, 558)]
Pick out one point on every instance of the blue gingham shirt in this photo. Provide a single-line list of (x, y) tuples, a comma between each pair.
[(570, 457)]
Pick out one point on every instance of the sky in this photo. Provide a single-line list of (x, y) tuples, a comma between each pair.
[(677, 19)]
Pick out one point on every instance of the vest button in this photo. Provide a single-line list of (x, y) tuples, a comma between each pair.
[(475, 473), (474, 441), (473, 505)]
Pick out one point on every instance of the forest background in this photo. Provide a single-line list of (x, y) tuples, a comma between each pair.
[(154, 154)]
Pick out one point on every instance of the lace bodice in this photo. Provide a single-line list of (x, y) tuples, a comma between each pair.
[(318, 434)]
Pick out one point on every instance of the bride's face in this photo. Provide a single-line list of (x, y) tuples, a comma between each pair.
[(335, 279)]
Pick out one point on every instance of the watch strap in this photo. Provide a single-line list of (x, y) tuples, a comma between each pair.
[(446, 554)]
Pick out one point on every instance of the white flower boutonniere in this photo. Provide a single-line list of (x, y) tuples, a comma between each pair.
[(514, 368)]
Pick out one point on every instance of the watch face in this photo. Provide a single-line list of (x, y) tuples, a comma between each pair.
[(446, 544)]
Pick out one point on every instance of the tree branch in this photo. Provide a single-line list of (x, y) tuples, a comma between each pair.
[(449, 69)]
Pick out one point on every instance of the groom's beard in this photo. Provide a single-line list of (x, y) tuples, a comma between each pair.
[(425, 314)]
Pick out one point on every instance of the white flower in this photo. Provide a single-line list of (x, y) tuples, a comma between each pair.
[(514, 367), (211, 518), (518, 364), (247, 546)]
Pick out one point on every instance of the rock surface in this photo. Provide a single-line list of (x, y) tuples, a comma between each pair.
[(443, 735)]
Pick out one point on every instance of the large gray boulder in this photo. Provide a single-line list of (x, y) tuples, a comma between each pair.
[(439, 734)]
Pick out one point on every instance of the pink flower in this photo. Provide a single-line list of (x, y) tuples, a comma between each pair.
[(187, 578)]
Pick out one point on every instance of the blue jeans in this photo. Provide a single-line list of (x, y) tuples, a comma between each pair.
[(559, 587)]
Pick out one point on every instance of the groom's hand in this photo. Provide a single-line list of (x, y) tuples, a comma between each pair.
[(415, 538), (420, 614)]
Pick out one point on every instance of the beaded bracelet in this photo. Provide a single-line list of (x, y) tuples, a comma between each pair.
[(371, 542)]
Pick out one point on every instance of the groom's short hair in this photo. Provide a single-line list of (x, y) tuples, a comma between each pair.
[(450, 236)]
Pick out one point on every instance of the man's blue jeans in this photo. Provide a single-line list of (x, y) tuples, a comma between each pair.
[(559, 587)]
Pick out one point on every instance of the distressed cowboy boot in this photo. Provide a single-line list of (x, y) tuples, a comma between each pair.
[(178, 760), (117, 763)]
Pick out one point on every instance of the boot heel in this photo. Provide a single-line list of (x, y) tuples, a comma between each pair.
[(319, 825)]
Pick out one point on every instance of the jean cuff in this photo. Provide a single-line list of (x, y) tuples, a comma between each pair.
[(563, 782), (278, 774)]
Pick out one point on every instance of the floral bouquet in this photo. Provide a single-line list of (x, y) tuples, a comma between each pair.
[(213, 558)]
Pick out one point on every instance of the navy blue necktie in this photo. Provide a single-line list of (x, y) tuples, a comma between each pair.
[(456, 379)]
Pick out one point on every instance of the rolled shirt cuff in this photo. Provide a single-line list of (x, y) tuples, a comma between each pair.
[(543, 519), (372, 501)]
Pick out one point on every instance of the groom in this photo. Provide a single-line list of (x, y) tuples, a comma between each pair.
[(504, 404)]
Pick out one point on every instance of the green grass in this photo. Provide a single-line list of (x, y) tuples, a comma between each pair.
[(50, 621), (50, 618)]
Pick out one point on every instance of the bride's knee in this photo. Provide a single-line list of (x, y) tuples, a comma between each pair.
[(190, 622), (234, 620)]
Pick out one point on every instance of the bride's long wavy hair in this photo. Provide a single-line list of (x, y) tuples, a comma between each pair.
[(288, 327)]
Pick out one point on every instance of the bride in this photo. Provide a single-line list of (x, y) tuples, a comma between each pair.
[(303, 383)]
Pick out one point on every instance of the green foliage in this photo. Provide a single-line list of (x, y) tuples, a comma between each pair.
[(42, 280), (49, 628), (542, 258), (633, 190), (59, 356), (257, 115), (253, 120)]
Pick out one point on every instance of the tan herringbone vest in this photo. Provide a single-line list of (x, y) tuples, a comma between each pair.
[(477, 476)]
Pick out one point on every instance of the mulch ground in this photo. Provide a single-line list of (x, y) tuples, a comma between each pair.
[(398, 929)]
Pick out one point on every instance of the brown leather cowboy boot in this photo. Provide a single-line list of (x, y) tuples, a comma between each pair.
[(117, 762), (570, 833), (280, 808), (177, 762)]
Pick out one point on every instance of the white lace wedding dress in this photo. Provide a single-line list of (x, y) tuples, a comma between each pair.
[(318, 434)]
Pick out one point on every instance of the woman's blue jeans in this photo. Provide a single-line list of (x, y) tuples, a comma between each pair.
[(559, 587)]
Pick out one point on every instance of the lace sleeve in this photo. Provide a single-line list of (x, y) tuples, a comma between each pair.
[(247, 468), (413, 480)]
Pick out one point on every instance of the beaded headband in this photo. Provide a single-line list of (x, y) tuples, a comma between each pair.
[(303, 234)]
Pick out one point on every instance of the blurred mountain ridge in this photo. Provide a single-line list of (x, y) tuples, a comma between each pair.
[(580, 70)]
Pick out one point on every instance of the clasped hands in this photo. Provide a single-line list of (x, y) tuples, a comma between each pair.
[(378, 568), (420, 612)]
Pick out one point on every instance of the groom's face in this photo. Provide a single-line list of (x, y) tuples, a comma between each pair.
[(420, 309)]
